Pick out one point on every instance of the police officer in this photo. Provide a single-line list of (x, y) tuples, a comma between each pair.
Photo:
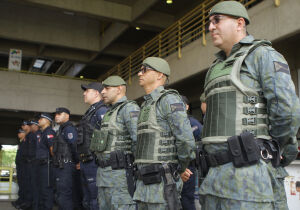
[(26, 157), (188, 190), (252, 110), (64, 158), (165, 142), (114, 147), (19, 165), (90, 120), (32, 163), (44, 165)]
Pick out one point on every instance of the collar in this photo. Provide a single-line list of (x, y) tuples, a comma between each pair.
[(121, 100), (245, 41), (95, 104), (154, 94), (62, 126)]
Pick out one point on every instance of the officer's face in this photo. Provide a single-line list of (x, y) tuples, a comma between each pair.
[(223, 31), (34, 128), (21, 135), (26, 128), (61, 118), (43, 122), (109, 94), (90, 95), (147, 76)]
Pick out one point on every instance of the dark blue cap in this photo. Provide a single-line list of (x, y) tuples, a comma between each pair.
[(94, 85), (21, 131), (62, 109), (47, 116), (25, 122), (34, 122)]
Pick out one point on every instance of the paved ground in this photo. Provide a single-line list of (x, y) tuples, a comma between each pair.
[(6, 205)]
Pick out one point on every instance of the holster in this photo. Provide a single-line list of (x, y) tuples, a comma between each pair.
[(170, 190), (151, 174), (201, 164), (274, 149), (117, 160), (243, 149)]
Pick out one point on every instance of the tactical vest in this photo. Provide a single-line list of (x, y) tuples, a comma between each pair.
[(85, 130), (232, 107), (61, 148), (112, 136), (154, 144)]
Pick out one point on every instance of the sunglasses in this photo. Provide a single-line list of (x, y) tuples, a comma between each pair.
[(145, 68), (216, 19)]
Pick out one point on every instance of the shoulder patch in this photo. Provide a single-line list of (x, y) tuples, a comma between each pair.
[(70, 135), (134, 114), (50, 136), (177, 107), (281, 67)]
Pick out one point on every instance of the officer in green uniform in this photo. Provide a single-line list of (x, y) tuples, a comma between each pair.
[(114, 146), (165, 142), (251, 119)]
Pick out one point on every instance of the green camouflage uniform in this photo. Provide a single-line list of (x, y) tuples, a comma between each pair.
[(171, 116), (112, 184), (258, 186)]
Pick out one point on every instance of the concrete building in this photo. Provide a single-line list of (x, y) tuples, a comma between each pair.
[(91, 39)]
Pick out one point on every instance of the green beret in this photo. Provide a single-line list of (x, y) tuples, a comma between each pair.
[(232, 8), (113, 81), (158, 64)]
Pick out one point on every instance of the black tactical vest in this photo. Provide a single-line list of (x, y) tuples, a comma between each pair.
[(61, 148), (85, 131)]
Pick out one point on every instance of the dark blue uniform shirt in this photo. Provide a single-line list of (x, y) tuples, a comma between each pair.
[(31, 140), (196, 127), (97, 117), (69, 134), (44, 143), (19, 155)]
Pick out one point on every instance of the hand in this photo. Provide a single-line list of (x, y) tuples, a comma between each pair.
[(78, 166), (186, 175)]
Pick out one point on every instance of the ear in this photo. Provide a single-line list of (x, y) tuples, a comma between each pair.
[(119, 89), (241, 24)]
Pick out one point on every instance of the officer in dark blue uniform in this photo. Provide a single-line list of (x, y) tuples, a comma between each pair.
[(27, 202), (64, 158), (33, 136), (44, 168), (188, 190), (19, 165), (91, 119)]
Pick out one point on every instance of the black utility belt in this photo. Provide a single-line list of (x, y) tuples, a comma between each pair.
[(43, 161), (63, 161), (117, 160), (244, 150), (153, 173), (85, 158), (30, 160)]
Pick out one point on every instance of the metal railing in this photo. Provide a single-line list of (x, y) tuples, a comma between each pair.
[(45, 74), (189, 28), (6, 180)]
